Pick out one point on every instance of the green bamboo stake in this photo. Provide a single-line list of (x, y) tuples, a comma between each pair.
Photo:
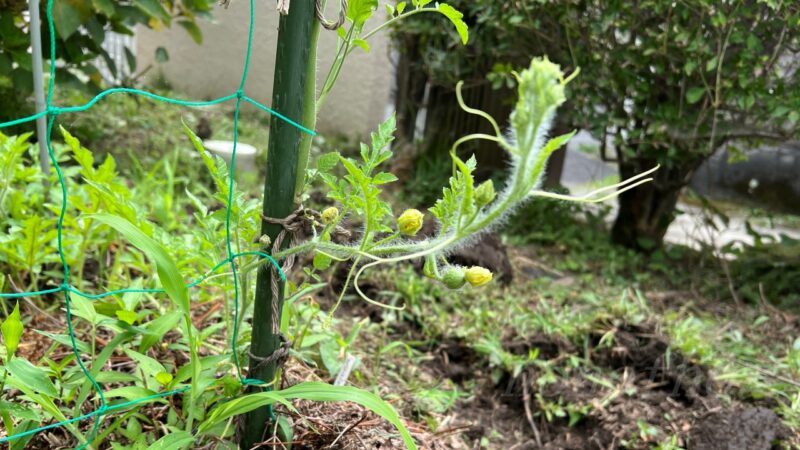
[(294, 95)]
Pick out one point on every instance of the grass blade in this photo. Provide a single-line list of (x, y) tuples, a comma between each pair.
[(167, 270)]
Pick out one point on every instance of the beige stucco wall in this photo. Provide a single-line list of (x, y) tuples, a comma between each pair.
[(357, 104)]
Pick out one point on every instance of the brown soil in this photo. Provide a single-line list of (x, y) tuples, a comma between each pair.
[(653, 386)]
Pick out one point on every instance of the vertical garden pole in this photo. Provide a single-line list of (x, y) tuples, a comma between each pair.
[(38, 83), (293, 95)]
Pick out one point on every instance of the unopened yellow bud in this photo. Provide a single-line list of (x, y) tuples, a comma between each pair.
[(330, 215), (478, 276), (410, 222)]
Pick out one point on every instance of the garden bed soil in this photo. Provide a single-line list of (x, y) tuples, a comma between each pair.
[(653, 386)]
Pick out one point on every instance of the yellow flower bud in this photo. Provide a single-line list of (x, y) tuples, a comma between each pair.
[(410, 222), (330, 215), (478, 276)]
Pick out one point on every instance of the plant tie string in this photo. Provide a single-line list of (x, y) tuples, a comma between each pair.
[(278, 357), (290, 225), (328, 25)]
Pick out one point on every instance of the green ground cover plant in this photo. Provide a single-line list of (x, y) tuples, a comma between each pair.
[(81, 27)]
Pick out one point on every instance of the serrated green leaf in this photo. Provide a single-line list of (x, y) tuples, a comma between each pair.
[(352, 169), (321, 262), (83, 156), (384, 178), (12, 331), (457, 18), (216, 167), (548, 149), (327, 161), (359, 11), (167, 270)]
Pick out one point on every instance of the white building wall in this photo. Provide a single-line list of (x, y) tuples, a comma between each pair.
[(357, 104)]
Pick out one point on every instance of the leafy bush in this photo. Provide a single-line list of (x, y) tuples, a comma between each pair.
[(81, 27), (666, 82)]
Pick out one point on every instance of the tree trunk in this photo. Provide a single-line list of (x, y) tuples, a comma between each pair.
[(409, 90), (644, 215), (646, 212)]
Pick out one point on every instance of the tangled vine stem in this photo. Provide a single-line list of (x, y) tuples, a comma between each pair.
[(460, 214)]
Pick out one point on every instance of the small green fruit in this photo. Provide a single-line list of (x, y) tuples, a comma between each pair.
[(453, 277)]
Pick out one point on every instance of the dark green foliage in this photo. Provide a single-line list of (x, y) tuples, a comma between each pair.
[(81, 27), (667, 82)]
